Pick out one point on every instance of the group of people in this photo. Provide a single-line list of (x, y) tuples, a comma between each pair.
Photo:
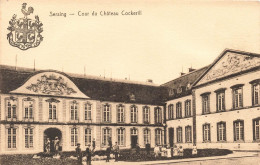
[(169, 151), (56, 145), (90, 151)]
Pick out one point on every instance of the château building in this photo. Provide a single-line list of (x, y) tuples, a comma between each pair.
[(217, 106)]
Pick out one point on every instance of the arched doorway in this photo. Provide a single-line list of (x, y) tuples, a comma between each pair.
[(51, 133)]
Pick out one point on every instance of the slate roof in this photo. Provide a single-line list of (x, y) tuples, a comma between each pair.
[(181, 86), (97, 89)]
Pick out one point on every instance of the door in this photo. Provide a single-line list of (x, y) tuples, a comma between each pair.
[(133, 141), (171, 136)]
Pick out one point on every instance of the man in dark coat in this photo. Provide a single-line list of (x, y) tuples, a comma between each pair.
[(108, 151), (88, 155), (79, 154), (116, 151)]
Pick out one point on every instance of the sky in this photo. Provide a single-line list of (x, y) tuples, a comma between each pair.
[(166, 39)]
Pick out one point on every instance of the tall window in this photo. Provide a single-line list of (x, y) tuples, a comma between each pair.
[(179, 134), (11, 137), (187, 108), (157, 115), (170, 111), (147, 136), (11, 108), (237, 97), (205, 103), (158, 136), (52, 110), (256, 94), (206, 133), (88, 109), (74, 111), (28, 137), (178, 110), (120, 113), (74, 136), (106, 113), (146, 114), (239, 130), (121, 136), (106, 136), (28, 109), (134, 114), (221, 131), (220, 101), (87, 136), (256, 124), (188, 138)]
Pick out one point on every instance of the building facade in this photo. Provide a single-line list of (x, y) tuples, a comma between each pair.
[(36, 105), (217, 106)]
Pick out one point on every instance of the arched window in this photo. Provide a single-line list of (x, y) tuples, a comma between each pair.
[(134, 115), (157, 115), (107, 136), (170, 111), (146, 114), (121, 136), (11, 106), (106, 113), (74, 110), (87, 136), (120, 113), (158, 136), (74, 136), (88, 109), (221, 131), (147, 136)]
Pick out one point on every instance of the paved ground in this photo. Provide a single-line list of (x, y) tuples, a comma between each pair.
[(237, 158)]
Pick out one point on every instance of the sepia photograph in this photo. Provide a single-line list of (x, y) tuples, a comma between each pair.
[(129, 82)]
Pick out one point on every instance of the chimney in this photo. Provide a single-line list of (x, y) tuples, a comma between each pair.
[(182, 73), (149, 81), (191, 69)]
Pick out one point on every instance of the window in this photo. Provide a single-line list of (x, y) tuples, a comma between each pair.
[(221, 131), (106, 113), (11, 137), (74, 110), (11, 108), (120, 114), (206, 133), (237, 96), (178, 110), (28, 109), (106, 136), (170, 111), (52, 110), (74, 136), (239, 130), (28, 137), (220, 101), (205, 103), (146, 114), (179, 135), (157, 115), (158, 136), (256, 126), (121, 136), (256, 94), (187, 108), (134, 114), (87, 136), (147, 136), (188, 138), (88, 109)]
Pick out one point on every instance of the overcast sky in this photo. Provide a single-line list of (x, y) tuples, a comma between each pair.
[(168, 36)]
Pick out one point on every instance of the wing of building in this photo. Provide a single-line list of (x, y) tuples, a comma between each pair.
[(217, 106)]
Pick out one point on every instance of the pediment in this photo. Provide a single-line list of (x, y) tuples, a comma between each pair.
[(228, 64), (50, 84)]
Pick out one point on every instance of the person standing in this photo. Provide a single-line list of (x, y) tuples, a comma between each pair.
[(116, 151), (88, 155), (108, 150), (56, 145), (79, 154), (48, 145)]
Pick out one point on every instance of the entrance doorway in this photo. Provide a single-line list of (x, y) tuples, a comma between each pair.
[(171, 135), (51, 133), (134, 137)]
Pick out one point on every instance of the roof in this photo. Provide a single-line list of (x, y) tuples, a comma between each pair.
[(96, 89), (181, 86)]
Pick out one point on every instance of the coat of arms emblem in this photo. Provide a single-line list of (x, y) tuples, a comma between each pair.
[(25, 33)]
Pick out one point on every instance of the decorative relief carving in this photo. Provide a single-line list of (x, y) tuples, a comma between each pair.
[(230, 64), (52, 84)]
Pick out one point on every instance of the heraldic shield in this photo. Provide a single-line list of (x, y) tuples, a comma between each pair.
[(25, 33)]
